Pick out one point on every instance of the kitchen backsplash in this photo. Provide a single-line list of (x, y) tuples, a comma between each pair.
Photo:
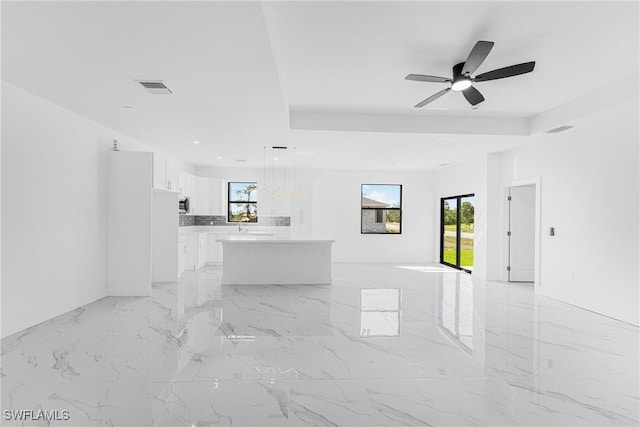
[(216, 220), (187, 220)]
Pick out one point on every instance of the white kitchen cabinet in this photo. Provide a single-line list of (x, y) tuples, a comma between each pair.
[(196, 251), (209, 197), (182, 253), (164, 236), (142, 226), (202, 249), (202, 197), (301, 212), (165, 173), (159, 176), (130, 219), (189, 184), (277, 201), (171, 175), (182, 183), (212, 249), (218, 196), (185, 183)]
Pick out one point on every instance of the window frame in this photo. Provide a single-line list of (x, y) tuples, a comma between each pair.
[(230, 201), (458, 231), (399, 209)]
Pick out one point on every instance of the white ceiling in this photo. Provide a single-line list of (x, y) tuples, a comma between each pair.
[(238, 69)]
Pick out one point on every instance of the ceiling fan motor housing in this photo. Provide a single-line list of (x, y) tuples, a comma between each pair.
[(460, 82)]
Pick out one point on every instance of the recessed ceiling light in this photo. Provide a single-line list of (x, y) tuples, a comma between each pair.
[(275, 158), (219, 158), (128, 108), (196, 142)]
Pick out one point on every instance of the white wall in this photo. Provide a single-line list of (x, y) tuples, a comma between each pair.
[(54, 209), (589, 188), (589, 192), (469, 177), (336, 216), (336, 212)]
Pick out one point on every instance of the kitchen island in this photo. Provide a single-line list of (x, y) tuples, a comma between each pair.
[(276, 262)]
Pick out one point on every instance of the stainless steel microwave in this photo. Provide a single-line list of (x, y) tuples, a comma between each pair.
[(183, 205)]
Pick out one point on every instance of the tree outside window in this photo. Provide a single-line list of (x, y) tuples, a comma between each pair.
[(243, 202)]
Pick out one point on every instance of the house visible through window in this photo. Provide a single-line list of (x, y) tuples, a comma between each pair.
[(381, 209), (243, 202)]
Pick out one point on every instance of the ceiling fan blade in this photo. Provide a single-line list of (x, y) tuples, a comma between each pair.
[(423, 78), (432, 98), (473, 95), (501, 73), (477, 56)]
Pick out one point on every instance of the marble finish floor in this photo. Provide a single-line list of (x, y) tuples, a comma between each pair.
[(386, 345)]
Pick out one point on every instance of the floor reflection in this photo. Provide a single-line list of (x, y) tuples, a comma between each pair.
[(380, 312), (456, 312), (439, 348)]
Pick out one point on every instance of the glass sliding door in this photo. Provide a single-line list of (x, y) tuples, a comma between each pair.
[(449, 244), (467, 210), (457, 231)]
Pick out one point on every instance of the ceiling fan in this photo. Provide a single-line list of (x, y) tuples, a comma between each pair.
[(463, 81)]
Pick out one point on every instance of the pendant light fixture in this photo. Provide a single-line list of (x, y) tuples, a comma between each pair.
[(279, 172)]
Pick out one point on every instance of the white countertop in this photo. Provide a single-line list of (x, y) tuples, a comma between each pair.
[(272, 241), (226, 233)]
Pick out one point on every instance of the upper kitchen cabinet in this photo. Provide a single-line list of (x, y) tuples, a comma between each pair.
[(208, 197), (201, 199), (165, 174), (218, 196), (186, 184)]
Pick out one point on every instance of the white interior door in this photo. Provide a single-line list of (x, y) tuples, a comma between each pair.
[(522, 225)]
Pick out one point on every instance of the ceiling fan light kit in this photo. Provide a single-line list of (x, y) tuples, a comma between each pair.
[(462, 81)]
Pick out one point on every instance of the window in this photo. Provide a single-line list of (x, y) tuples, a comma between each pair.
[(243, 202), (381, 211), (457, 231)]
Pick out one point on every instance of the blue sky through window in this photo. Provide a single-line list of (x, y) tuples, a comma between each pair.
[(237, 192), (389, 194)]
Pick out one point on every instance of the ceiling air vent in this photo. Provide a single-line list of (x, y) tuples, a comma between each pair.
[(559, 129), (155, 87)]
